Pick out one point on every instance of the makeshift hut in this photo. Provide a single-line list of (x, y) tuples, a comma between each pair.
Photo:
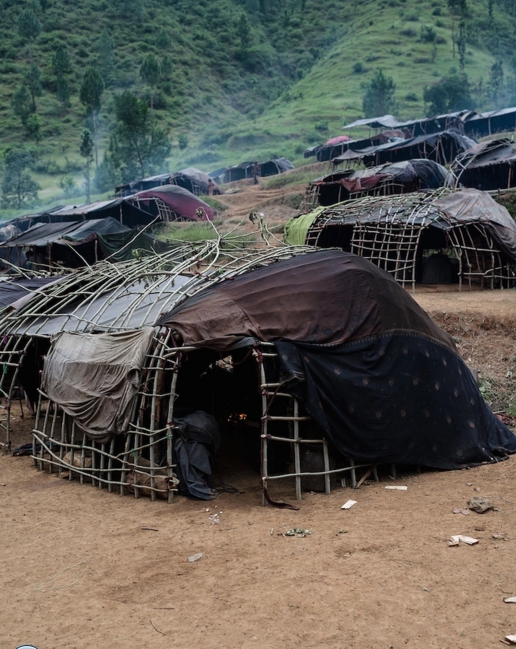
[(192, 179), (387, 179), (286, 348), (50, 246), (439, 237), (386, 121), (493, 121), (119, 209), (172, 203), (487, 165), (329, 151), (246, 169), (160, 204)]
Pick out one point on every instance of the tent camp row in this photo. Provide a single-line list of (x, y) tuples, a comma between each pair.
[(167, 350), (470, 121), (168, 203), (73, 235), (437, 237), (71, 244), (441, 147), (200, 183)]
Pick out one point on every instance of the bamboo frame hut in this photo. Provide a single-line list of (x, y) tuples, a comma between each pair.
[(110, 298), (397, 232)]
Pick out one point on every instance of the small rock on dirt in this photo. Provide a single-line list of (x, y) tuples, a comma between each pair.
[(480, 505)]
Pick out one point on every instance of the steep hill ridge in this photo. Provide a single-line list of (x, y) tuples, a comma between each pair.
[(245, 78)]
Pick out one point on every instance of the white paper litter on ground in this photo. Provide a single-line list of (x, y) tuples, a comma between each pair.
[(392, 488), (511, 638), (510, 600), (454, 540), (195, 557), (349, 504)]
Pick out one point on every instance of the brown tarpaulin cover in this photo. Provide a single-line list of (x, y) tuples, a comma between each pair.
[(94, 377), (326, 297)]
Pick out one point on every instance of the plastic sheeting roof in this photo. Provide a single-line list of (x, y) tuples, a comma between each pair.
[(12, 290), (386, 121), (73, 232), (126, 307), (180, 200)]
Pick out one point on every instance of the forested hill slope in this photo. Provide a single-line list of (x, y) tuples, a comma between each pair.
[(226, 79)]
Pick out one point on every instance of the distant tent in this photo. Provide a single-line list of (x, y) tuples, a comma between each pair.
[(399, 178), (218, 175), (245, 169), (119, 209), (398, 233), (92, 240), (191, 178), (195, 180), (174, 203), (327, 151), (276, 166), (337, 140), (438, 123), (493, 121), (387, 121), (312, 151), (127, 189), (487, 165)]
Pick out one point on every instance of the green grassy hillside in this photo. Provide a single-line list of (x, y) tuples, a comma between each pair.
[(245, 78)]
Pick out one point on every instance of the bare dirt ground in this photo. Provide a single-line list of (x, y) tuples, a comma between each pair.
[(78, 569)]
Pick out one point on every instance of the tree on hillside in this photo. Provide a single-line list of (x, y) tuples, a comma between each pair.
[(449, 94), (61, 66), (86, 151), (90, 94), (244, 33), (18, 187), (457, 9), (33, 82), (106, 56), (29, 27), (21, 104), (150, 72), (461, 46), (496, 84), (379, 97), (166, 67), (137, 147)]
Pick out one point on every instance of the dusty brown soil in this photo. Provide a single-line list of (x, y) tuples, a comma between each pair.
[(78, 568)]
